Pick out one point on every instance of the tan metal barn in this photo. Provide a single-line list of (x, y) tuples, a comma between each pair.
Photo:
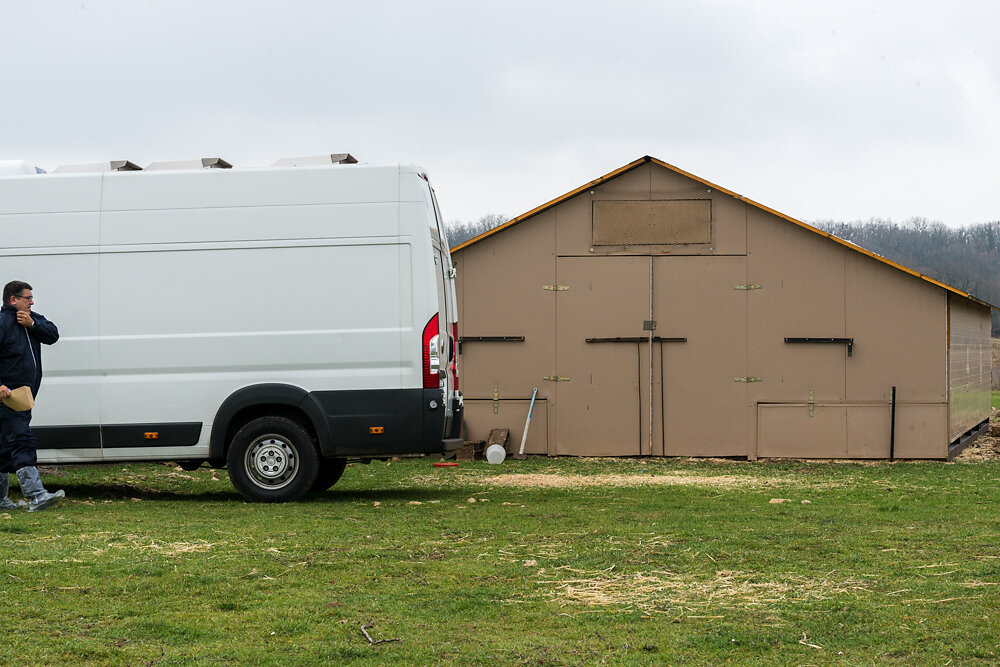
[(659, 314)]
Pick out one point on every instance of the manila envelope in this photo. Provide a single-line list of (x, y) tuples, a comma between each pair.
[(20, 399)]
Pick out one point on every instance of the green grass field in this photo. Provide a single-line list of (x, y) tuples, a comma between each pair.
[(540, 562)]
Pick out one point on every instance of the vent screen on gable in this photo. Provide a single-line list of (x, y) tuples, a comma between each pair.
[(664, 222)]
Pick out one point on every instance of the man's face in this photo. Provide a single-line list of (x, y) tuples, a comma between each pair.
[(23, 301)]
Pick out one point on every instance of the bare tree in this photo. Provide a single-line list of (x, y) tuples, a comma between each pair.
[(460, 232)]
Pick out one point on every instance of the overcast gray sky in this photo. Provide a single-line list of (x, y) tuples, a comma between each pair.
[(841, 110)]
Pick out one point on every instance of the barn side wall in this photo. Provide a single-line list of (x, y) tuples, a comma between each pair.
[(969, 364)]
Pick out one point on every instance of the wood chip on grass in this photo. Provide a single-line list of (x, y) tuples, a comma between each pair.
[(670, 592), (556, 481)]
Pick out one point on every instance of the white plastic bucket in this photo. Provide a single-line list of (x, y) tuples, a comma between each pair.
[(496, 453)]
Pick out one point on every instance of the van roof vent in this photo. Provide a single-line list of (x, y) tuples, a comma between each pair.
[(315, 160), (114, 165), (203, 163), (18, 167)]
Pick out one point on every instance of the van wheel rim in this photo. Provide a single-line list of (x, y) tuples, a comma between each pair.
[(271, 461)]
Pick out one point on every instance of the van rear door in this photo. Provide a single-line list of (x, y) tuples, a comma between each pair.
[(445, 346), (447, 317)]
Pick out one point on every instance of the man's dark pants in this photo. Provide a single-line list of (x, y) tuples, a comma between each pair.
[(17, 442)]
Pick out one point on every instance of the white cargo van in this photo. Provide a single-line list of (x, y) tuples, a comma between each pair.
[(276, 321)]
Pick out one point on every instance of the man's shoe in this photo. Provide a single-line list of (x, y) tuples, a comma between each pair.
[(45, 499), (8, 504)]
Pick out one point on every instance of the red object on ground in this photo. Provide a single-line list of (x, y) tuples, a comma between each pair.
[(445, 464)]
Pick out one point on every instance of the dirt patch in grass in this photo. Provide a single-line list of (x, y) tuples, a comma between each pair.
[(553, 481), (668, 592)]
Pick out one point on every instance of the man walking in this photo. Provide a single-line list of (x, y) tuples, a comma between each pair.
[(21, 333)]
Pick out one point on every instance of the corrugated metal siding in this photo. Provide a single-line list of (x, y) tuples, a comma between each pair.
[(969, 365)]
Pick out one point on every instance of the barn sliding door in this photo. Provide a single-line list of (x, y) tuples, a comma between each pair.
[(597, 385), (704, 407), (612, 398)]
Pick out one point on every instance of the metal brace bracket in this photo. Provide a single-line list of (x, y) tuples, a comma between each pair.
[(748, 378), (556, 288), (555, 378), (496, 399), (812, 403), (747, 286)]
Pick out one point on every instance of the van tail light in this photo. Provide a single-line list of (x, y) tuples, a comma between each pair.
[(454, 357), (432, 380)]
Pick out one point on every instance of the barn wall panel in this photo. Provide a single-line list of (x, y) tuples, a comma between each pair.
[(801, 278), (922, 431), (894, 320), (501, 282), (869, 431), (969, 364), (787, 430)]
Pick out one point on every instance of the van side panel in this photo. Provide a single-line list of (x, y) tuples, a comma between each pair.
[(304, 316)]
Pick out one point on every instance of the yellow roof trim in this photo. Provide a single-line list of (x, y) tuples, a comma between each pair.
[(643, 160)]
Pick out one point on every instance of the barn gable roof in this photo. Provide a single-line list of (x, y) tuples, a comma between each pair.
[(649, 159)]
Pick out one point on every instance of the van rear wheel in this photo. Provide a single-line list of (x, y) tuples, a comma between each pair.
[(272, 460)]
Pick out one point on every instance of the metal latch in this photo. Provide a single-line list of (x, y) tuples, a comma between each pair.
[(555, 288), (555, 378), (812, 403), (747, 379), (747, 286), (496, 399)]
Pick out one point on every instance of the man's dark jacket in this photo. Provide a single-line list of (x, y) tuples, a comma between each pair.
[(21, 349)]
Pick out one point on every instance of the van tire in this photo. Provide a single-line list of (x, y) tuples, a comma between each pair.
[(330, 472), (272, 460)]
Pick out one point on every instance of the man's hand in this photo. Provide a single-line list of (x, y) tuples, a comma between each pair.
[(4, 391), (24, 319)]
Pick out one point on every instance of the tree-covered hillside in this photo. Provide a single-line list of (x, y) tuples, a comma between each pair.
[(964, 257)]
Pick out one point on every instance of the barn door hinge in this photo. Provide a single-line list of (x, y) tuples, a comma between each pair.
[(555, 378), (496, 399), (747, 286), (555, 288), (748, 378), (812, 403)]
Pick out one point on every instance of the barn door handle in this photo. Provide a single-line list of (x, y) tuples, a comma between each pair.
[(636, 339), (488, 339)]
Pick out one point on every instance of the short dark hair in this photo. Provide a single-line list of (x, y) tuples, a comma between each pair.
[(14, 288)]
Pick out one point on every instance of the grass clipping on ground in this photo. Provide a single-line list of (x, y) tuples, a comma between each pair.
[(550, 481), (670, 593)]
